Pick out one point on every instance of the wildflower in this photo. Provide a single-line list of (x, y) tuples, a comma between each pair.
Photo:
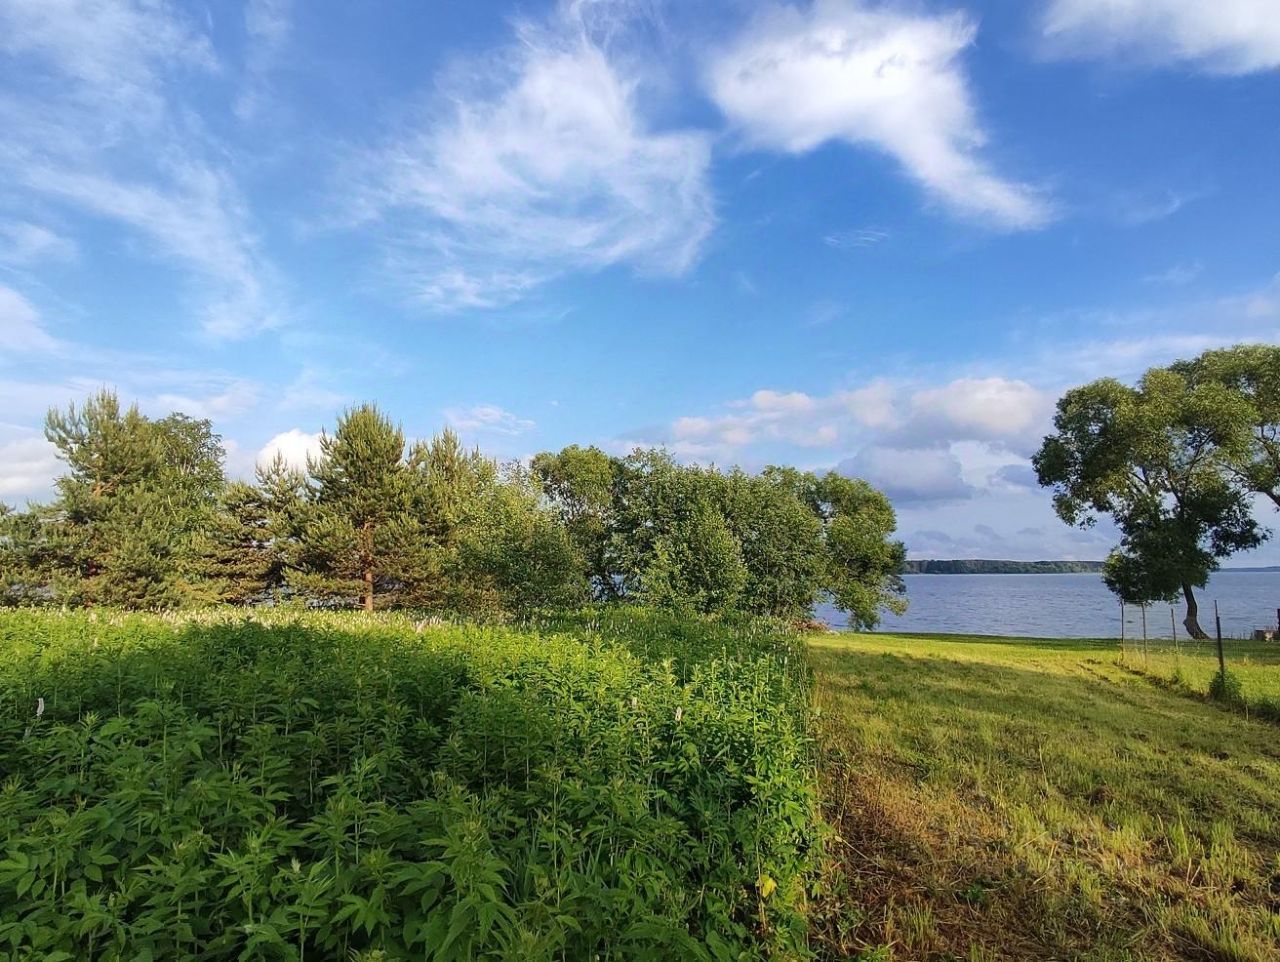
[(679, 713)]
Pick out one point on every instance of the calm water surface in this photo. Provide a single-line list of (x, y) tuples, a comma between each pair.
[(1068, 606)]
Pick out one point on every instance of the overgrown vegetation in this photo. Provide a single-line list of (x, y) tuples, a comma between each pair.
[(1014, 799), (332, 787), (144, 519)]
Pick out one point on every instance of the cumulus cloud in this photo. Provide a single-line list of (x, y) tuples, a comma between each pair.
[(1224, 36), (20, 328), (1017, 476), (1005, 412), (27, 467), (488, 419), (980, 409), (910, 475), (536, 162), (294, 445), (841, 70)]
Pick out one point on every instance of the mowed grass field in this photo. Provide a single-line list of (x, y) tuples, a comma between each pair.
[(1190, 667), (1021, 799)]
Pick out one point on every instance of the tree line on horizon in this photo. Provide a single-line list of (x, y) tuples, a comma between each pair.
[(144, 517), (988, 566), (1179, 461)]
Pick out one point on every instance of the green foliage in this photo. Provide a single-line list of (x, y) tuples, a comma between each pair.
[(1227, 688), (615, 785), (514, 556), (126, 526), (1152, 457), (690, 538), (146, 519), (579, 483), (695, 563), (864, 564), (359, 537), (1249, 376)]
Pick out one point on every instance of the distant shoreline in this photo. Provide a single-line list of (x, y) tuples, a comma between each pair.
[(983, 566)]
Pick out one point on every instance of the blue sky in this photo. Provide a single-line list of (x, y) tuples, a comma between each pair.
[(878, 236)]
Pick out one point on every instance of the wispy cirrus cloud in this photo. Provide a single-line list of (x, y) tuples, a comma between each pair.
[(23, 244), (1224, 36), (267, 26), (869, 76), (855, 239), (488, 419), (21, 329), (534, 162), (103, 124)]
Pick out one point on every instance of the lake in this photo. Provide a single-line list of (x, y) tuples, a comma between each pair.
[(1068, 606)]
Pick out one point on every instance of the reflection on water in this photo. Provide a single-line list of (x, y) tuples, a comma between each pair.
[(1068, 606)]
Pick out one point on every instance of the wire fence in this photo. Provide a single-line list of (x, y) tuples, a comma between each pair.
[(1164, 623)]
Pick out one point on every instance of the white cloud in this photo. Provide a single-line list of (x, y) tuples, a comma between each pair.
[(993, 410), (908, 475), (534, 163), (114, 53), (20, 328), (235, 398), (267, 25), (28, 466), (488, 419), (871, 77), (789, 402), (294, 445), (980, 409), (23, 243), (310, 392), (105, 126), (873, 406), (854, 239), (1178, 275), (1222, 36)]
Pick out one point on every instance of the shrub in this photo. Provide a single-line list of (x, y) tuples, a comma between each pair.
[(1227, 689), (324, 786)]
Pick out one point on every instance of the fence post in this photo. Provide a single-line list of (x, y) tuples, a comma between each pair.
[(1144, 636), (1222, 662), (1173, 623)]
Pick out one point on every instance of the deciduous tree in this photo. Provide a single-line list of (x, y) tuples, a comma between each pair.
[(1152, 458)]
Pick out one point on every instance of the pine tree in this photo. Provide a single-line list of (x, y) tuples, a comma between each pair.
[(127, 525), (359, 538)]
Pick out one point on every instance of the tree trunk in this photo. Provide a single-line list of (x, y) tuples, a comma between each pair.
[(366, 562), (1192, 621)]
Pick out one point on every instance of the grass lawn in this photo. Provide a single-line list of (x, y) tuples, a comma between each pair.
[(1021, 799), (1192, 665)]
